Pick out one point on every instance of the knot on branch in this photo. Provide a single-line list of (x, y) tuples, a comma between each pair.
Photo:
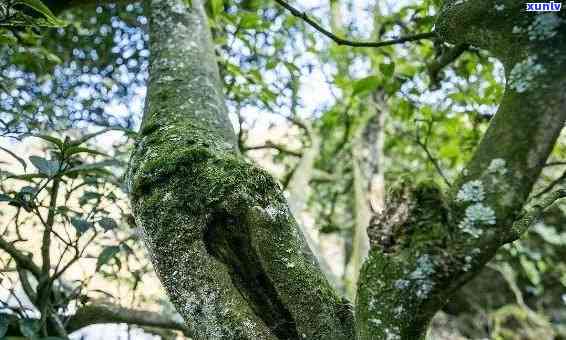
[(414, 216)]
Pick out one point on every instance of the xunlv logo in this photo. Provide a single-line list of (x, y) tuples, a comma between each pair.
[(544, 6)]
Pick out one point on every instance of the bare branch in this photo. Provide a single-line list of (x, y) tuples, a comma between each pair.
[(551, 186), (341, 41), (431, 158), (535, 213), (448, 56), (103, 313), (271, 145), (21, 259), (107, 313)]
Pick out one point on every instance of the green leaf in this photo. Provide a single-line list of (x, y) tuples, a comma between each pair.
[(85, 138), (387, 69), (59, 143), (5, 198), (19, 159), (216, 7), (81, 225), (50, 18), (364, 85), (29, 327), (46, 167), (249, 20), (28, 177), (106, 255), (89, 195), (7, 39), (531, 270), (53, 58), (107, 223), (77, 149), (86, 168)]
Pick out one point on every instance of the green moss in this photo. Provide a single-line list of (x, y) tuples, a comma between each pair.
[(192, 187)]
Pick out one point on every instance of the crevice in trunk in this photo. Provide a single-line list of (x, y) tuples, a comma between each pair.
[(227, 239)]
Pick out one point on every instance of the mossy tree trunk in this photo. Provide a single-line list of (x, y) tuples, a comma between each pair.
[(435, 242), (218, 229), (229, 252)]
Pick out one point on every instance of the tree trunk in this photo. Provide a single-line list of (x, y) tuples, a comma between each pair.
[(436, 242), (229, 252), (218, 229)]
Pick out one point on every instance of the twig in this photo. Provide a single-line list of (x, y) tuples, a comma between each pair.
[(551, 185), (549, 164), (531, 216), (271, 145), (341, 41), (424, 146), (447, 57)]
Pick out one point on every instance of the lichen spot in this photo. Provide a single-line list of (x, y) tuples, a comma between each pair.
[(524, 74), (497, 166), (477, 215), (471, 192), (545, 26)]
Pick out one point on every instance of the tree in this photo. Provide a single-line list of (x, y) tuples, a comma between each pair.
[(228, 250)]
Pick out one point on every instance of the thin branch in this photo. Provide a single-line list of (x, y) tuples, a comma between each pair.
[(103, 313), (535, 213), (341, 41), (447, 57), (551, 186), (107, 313), (21, 259), (271, 145), (431, 158), (549, 164)]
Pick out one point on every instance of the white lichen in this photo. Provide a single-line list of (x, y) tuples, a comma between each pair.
[(497, 166), (477, 215), (517, 30), (375, 322), (425, 268), (524, 73), (545, 26), (471, 192), (468, 263), (392, 334), (401, 284), (422, 274)]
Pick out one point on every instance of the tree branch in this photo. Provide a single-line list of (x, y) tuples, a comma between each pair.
[(535, 213), (94, 314), (22, 260), (341, 41), (551, 185), (221, 238), (448, 56), (271, 145), (438, 243), (107, 313)]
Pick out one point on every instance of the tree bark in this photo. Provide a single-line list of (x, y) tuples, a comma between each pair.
[(440, 242), (369, 183), (220, 234)]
